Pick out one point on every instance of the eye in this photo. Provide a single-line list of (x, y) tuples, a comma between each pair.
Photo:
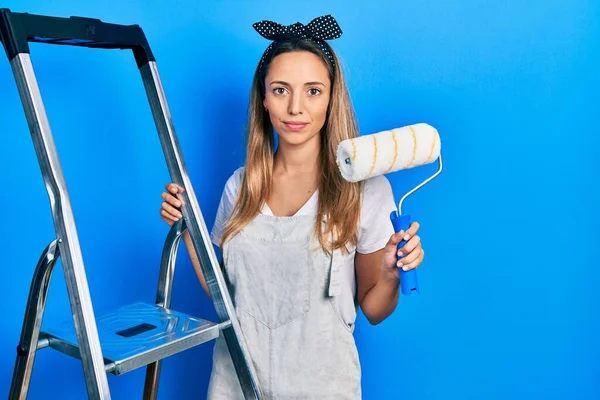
[(314, 91), (279, 90)]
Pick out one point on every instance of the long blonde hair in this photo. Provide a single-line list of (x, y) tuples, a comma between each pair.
[(339, 200)]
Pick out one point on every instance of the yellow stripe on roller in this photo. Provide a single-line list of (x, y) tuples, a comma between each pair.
[(414, 136), (374, 155), (430, 156), (353, 149), (395, 152)]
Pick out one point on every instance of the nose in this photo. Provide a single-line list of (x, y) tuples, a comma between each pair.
[(295, 104)]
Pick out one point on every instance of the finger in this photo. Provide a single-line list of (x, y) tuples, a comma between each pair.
[(412, 256), (170, 219), (416, 263), (412, 230), (173, 188), (173, 211), (171, 199), (393, 241), (409, 246)]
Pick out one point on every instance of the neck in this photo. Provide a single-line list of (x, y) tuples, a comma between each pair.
[(297, 159)]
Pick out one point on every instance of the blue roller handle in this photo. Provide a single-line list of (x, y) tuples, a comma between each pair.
[(408, 279)]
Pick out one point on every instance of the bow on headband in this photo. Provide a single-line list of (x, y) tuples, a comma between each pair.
[(317, 30), (321, 28)]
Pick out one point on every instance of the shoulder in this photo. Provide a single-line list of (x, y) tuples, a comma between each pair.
[(376, 190), (231, 192), (377, 205), (227, 203), (232, 186), (236, 178)]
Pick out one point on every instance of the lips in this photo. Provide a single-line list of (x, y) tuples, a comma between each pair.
[(295, 125)]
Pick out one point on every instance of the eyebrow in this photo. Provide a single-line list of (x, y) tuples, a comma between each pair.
[(306, 84)]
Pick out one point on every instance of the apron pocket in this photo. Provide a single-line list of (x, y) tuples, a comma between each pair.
[(347, 325), (271, 281)]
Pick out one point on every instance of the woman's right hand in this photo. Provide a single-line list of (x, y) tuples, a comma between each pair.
[(170, 210)]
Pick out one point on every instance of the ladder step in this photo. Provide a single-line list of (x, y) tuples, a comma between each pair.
[(137, 335)]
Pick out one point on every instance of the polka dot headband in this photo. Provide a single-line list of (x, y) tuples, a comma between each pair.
[(318, 30)]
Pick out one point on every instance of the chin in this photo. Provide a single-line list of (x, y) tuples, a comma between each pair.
[(297, 138)]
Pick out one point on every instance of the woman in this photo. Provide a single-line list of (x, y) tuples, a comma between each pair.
[(302, 248)]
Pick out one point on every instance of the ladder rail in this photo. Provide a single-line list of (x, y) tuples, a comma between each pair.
[(163, 298), (199, 232), (64, 226), (32, 322)]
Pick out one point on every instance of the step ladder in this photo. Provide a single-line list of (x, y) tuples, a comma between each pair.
[(136, 335)]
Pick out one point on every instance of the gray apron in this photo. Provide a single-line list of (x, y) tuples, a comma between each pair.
[(283, 285)]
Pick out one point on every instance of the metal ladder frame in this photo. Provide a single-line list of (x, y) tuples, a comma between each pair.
[(16, 30)]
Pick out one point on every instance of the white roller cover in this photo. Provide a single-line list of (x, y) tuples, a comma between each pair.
[(388, 151)]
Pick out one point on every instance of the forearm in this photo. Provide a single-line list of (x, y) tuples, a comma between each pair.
[(381, 300), (195, 261)]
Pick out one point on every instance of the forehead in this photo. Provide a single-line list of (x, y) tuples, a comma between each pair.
[(298, 67)]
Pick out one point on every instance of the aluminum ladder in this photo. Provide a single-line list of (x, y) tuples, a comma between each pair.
[(117, 342)]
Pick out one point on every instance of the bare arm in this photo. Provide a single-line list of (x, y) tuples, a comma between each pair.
[(195, 261), (377, 293)]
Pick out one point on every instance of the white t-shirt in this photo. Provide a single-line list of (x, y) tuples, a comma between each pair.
[(375, 229)]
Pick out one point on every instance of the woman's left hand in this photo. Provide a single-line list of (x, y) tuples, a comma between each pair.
[(412, 252)]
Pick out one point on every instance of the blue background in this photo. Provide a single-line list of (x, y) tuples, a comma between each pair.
[(509, 303)]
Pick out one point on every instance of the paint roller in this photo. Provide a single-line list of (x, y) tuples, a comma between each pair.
[(389, 151)]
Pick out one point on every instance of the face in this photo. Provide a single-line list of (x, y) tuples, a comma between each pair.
[(297, 89)]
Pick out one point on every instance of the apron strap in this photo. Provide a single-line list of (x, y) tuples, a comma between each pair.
[(335, 266), (335, 273)]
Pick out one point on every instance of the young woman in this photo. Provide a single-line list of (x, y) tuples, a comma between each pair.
[(302, 248)]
